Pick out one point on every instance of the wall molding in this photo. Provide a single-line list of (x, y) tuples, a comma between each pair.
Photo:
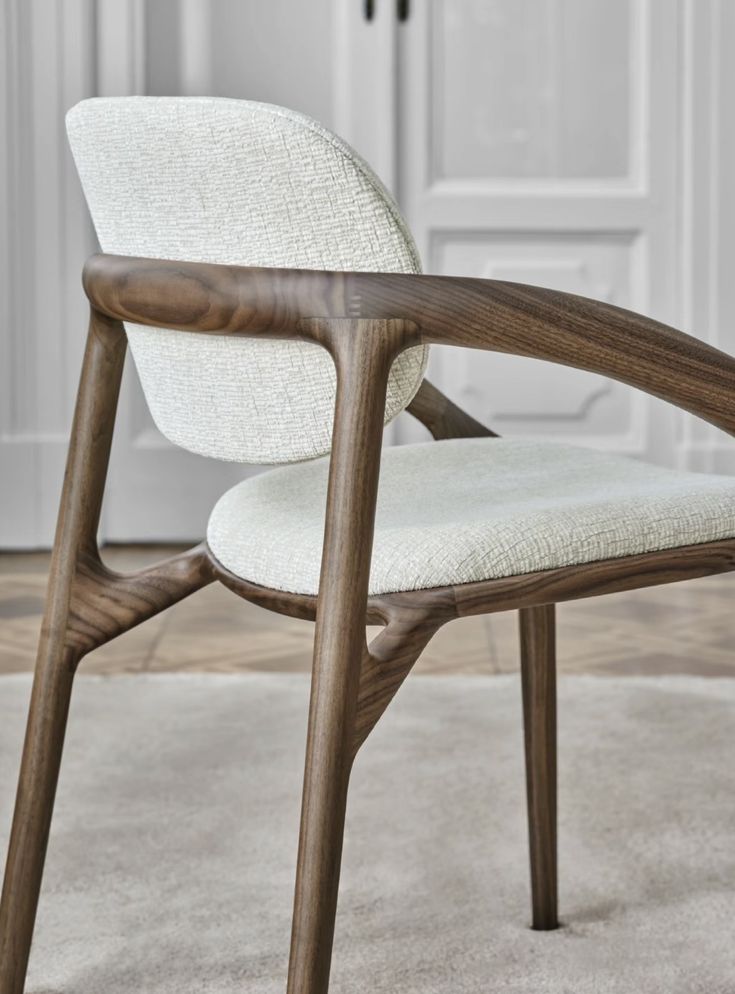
[(707, 200), (46, 49)]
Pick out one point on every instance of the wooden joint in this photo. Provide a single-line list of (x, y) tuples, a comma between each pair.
[(387, 661), (442, 417), (104, 604), (349, 340)]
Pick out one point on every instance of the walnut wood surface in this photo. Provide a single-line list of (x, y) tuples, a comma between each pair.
[(57, 659), (443, 418), (387, 662), (339, 639), (364, 320), (607, 576), (413, 617), (482, 314), (105, 604), (552, 586), (86, 605), (538, 680)]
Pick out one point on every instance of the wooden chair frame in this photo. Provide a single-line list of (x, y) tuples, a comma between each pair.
[(364, 320)]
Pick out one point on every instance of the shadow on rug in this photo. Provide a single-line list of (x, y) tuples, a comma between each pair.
[(172, 855)]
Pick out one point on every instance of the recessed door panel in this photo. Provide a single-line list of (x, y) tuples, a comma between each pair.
[(532, 89), (537, 141)]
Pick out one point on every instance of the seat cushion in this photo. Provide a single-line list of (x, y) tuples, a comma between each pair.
[(472, 509)]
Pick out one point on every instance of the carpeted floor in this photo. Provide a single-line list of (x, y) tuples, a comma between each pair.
[(171, 862)]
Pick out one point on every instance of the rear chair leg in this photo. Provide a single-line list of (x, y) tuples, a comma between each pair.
[(538, 673), (58, 654), (33, 808)]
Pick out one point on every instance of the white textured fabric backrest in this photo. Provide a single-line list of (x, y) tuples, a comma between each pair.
[(231, 181)]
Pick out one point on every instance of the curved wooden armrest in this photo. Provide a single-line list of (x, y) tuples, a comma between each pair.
[(481, 314)]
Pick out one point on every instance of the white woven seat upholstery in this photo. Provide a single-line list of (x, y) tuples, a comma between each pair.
[(472, 509)]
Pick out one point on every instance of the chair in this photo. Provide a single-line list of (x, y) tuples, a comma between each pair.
[(291, 325)]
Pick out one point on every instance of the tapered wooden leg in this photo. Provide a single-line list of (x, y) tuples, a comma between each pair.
[(328, 761), (58, 654), (33, 808), (339, 643), (538, 671)]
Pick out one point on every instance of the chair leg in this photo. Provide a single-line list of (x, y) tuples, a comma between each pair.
[(538, 673), (326, 778), (340, 649), (59, 650), (33, 808)]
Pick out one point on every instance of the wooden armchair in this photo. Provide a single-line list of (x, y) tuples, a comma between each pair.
[(365, 322)]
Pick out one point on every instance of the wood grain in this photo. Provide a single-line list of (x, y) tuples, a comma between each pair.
[(76, 534), (105, 604), (607, 576), (364, 320), (445, 310), (386, 663), (538, 680), (339, 640), (86, 605), (442, 417)]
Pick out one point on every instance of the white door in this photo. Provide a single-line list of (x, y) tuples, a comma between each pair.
[(535, 141)]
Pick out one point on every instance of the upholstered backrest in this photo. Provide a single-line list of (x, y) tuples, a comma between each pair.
[(230, 181)]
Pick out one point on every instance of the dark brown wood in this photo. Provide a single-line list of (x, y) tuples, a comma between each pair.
[(105, 604), (443, 604), (57, 660), (386, 663), (301, 606), (538, 678), (607, 576), (364, 320), (339, 641), (442, 417), (85, 606), (482, 314)]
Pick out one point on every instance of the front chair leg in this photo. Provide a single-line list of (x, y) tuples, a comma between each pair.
[(363, 351), (538, 674), (328, 762)]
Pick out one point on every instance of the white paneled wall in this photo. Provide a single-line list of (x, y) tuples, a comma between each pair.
[(46, 62), (469, 123), (708, 204), (278, 51)]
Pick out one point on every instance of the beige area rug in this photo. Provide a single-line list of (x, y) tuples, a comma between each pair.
[(171, 863)]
